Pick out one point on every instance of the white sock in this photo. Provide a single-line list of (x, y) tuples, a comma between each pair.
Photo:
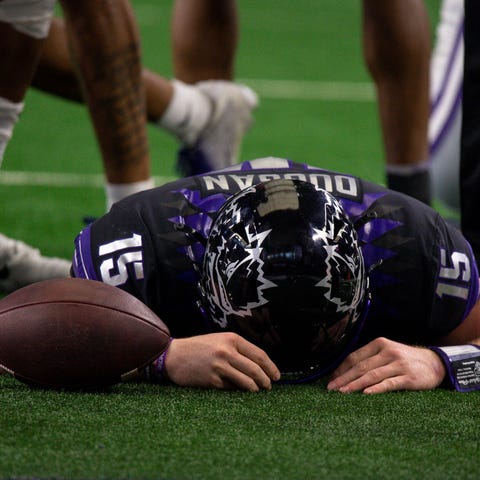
[(9, 113), (187, 113), (116, 191)]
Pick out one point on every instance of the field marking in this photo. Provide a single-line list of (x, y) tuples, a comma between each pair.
[(312, 90), (56, 179)]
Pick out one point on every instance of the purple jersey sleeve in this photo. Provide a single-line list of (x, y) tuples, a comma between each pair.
[(82, 265)]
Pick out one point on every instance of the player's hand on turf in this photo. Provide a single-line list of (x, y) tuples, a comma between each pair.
[(220, 360), (384, 365)]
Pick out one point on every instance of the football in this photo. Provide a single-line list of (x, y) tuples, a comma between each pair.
[(77, 334)]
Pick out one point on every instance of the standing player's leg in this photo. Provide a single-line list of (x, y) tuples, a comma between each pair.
[(56, 75), (470, 135), (446, 80), (105, 45), (397, 53), (23, 28), (209, 118), (205, 39)]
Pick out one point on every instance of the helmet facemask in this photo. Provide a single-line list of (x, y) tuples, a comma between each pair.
[(283, 269)]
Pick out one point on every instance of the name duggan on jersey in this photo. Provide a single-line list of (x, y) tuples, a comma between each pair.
[(336, 184)]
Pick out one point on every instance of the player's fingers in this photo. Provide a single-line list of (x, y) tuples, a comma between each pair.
[(390, 384), (373, 376), (252, 371), (259, 358), (354, 359), (246, 366), (229, 377), (367, 368)]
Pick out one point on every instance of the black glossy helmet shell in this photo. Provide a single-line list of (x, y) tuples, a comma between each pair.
[(283, 268)]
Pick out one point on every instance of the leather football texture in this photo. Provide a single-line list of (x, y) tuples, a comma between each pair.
[(77, 334)]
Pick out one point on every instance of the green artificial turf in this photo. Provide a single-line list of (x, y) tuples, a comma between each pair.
[(142, 431), (139, 431)]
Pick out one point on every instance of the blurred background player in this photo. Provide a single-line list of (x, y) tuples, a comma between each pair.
[(398, 67), (104, 44), (109, 66), (23, 28), (113, 89), (209, 119), (397, 52), (397, 47), (446, 82), (206, 119), (205, 39)]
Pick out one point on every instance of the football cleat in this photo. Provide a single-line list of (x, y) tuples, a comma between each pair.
[(218, 144), (21, 265)]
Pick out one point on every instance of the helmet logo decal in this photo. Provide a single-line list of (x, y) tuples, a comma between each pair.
[(221, 269), (232, 257), (330, 237)]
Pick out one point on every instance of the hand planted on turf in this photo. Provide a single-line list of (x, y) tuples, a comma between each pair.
[(384, 365), (219, 360)]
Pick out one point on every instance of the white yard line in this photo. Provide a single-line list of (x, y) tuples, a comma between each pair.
[(312, 90), (55, 179)]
